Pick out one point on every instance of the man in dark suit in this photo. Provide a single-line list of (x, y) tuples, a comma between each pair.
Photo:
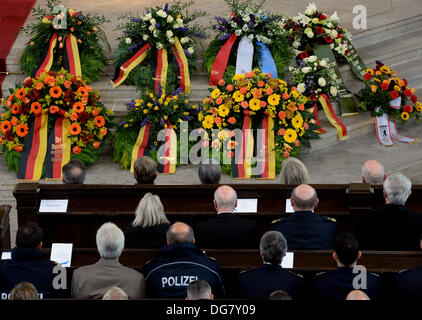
[(305, 229), (348, 276), (260, 282), (374, 230), (226, 231)]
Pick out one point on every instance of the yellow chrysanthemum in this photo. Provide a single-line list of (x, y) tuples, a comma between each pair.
[(238, 97), (297, 121), (208, 122), (405, 116), (418, 106), (223, 111), (274, 99), (200, 116), (255, 104), (290, 136), (215, 93)]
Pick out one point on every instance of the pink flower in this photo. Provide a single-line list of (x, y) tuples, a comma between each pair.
[(281, 132), (296, 143), (286, 154), (230, 88), (219, 101), (244, 104), (261, 83), (221, 82), (269, 91), (263, 104), (243, 90), (306, 126)]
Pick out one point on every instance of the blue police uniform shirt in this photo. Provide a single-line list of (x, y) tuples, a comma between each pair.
[(306, 230), (409, 284), (260, 282), (28, 265), (174, 266), (338, 283)]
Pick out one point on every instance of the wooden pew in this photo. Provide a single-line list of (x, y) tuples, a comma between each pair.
[(5, 226), (92, 205)]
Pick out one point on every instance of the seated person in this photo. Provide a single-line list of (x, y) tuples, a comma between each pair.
[(226, 230), (24, 291), (199, 290), (279, 295), (28, 264), (304, 229), (356, 295), (115, 293), (293, 171), (144, 170), (149, 228), (210, 173), (373, 172), (73, 172), (177, 264), (93, 281), (374, 230), (337, 284), (260, 282)]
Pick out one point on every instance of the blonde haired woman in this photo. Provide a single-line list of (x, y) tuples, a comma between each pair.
[(293, 171), (148, 229)]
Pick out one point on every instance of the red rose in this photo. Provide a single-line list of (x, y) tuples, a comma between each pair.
[(394, 94), (414, 98), (84, 117), (384, 86), (407, 93), (405, 81), (28, 83), (322, 17), (407, 108), (367, 76)]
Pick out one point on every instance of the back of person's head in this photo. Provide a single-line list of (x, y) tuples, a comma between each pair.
[(179, 232), (279, 295), (225, 199), (29, 236), (199, 290), (373, 172), (145, 170), (115, 293), (210, 173), (24, 291), (293, 171), (357, 295), (110, 241), (273, 247), (150, 212), (346, 248), (397, 188), (304, 197), (74, 172)]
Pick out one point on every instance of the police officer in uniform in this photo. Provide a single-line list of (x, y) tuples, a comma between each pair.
[(260, 282), (179, 263), (348, 276), (409, 283), (305, 229)]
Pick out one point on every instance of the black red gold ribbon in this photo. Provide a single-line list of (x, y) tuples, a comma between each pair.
[(265, 168), (34, 150), (241, 162), (167, 162), (220, 63), (316, 115), (47, 58), (331, 116), (160, 79), (71, 59), (141, 147), (123, 71), (183, 65)]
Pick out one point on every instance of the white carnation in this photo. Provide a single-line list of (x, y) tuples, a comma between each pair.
[(128, 40), (179, 21), (148, 16), (306, 70), (322, 82), (171, 40), (184, 40), (245, 27), (152, 21), (156, 33), (151, 27), (145, 37), (296, 44), (169, 34), (170, 19), (301, 87), (312, 59)]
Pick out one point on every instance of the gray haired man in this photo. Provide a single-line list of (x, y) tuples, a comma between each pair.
[(93, 281), (199, 290)]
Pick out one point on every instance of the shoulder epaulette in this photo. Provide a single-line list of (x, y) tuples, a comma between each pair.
[(374, 274), (404, 270), (320, 273), (147, 262), (294, 273), (277, 220), (247, 270), (330, 219)]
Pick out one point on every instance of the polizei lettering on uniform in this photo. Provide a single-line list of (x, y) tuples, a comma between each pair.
[(177, 281)]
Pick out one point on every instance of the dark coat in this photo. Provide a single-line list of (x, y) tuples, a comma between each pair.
[(409, 284), (28, 265), (306, 230), (174, 266), (392, 228), (338, 283), (226, 231), (260, 282), (146, 238)]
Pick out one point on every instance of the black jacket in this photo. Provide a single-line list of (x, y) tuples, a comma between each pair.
[(175, 266), (260, 282), (226, 231), (306, 230), (409, 284), (28, 265), (146, 238), (391, 228), (338, 283)]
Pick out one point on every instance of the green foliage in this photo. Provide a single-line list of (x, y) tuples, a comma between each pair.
[(11, 158)]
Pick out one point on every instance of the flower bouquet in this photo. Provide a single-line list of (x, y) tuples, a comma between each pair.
[(387, 96), (149, 116), (78, 47), (256, 100), (149, 42), (247, 37), (50, 120)]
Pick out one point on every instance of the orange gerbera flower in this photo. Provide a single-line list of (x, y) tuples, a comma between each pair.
[(75, 129), (50, 81), (16, 108), (83, 91), (20, 94), (78, 107), (76, 150), (22, 130), (56, 92), (14, 121), (99, 121), (36, 107), (5, 126), (18, 148)]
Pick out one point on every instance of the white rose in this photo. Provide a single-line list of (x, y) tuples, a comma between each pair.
[(176, 26), (145, 37), (311, 9), (162, 13), (151, 28), (128, 40), (152, 21), (246, 18), (156, 33), (191, 50), (306, 70), (322, 82), (171, 40), (312, 59), (333, 91), (170, 19), (179, 21), (148, 16), (159, 46), (301, 87), (323, 63), (296, 44), (169, 34), (184, 40)]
